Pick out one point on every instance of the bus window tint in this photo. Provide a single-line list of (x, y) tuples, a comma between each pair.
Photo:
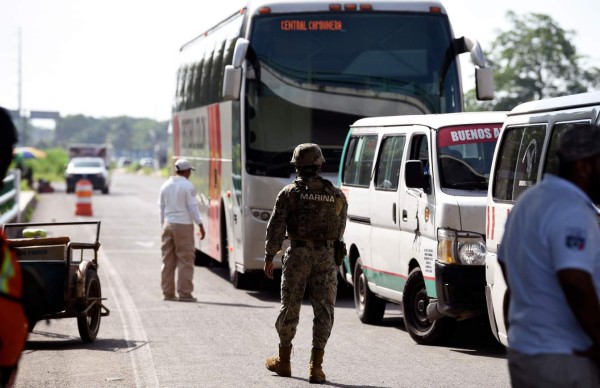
[(319, 73)]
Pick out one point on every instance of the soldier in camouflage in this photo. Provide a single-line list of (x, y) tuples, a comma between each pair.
[(313, 212)]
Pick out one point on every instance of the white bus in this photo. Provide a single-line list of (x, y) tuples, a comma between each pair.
[(279, 73)]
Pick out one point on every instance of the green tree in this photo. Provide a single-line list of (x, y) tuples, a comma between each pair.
[(534, 58)]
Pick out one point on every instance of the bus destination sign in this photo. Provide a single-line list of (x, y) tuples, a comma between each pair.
[(311, 25)]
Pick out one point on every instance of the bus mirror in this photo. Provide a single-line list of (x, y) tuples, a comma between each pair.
[(232, 81), (477, 56), (239, 53), (484, 83)]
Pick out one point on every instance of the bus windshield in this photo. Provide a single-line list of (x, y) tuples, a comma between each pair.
[(312, 75), (465, 155)]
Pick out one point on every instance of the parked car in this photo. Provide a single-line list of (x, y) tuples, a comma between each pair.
[(92, 169), (147, 162), (124, 162)]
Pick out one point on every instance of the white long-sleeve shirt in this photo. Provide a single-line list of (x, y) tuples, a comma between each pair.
[(178, 203)]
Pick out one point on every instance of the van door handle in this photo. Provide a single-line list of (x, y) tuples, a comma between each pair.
[(394, 212), (404, 216)]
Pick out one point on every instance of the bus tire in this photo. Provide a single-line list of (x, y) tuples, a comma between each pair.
[(414, 302), (369, 307), (201, 259), (241, 281)]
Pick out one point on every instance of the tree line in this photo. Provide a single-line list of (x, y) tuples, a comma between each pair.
[(534, 58)]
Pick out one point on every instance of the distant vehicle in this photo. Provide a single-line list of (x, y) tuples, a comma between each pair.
[(90, 150), (147, 162), (124, 162), (92, 168)]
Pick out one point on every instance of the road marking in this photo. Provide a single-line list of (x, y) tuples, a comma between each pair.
[(142, 362)]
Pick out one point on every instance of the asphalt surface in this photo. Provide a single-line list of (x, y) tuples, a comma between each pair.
[(224, 338)]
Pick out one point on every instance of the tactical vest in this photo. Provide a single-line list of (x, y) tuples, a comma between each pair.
[(313, 213)]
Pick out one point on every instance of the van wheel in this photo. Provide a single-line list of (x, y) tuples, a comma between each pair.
[(370, 308), (415, 301)]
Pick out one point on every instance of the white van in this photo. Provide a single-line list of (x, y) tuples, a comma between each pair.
[(419, 240), (526, 150)]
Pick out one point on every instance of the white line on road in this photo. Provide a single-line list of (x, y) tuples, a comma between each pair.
[(144, 370)]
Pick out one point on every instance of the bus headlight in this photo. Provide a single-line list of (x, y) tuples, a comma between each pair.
[(461, 247)]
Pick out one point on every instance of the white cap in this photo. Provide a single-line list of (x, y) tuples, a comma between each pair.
[(183, 165)]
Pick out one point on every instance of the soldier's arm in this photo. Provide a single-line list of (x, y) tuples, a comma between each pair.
[(343, 216), (276, 227)]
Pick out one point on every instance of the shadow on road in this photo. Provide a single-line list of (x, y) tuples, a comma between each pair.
[(332, 384), (56, 341)]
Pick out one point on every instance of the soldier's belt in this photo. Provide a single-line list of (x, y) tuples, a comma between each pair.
[(311, 244)]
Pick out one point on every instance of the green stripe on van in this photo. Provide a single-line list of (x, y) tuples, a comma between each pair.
[(395, 281)]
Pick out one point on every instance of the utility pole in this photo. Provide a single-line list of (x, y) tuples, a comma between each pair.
[(19, 89)]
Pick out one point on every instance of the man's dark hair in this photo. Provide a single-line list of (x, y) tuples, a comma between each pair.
[(8, 137)]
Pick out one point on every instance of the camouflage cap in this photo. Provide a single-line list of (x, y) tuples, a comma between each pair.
[(307, 154), (579, 142)]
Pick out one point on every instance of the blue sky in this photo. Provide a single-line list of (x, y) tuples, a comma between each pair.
[(119, 57)]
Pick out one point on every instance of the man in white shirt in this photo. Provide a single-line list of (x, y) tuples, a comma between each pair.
[(178, 213), (550, 255)]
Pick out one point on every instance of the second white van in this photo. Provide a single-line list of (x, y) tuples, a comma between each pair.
[(526, 151), (416, 189)]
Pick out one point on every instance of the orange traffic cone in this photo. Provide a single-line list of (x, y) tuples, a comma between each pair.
[(83, 191)]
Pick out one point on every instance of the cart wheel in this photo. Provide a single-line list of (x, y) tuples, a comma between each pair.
[(89, 324)]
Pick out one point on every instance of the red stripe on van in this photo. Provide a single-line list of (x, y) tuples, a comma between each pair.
[(493, 222)]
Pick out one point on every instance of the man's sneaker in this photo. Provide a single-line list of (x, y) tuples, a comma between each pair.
[(187, 299), (170, 298)]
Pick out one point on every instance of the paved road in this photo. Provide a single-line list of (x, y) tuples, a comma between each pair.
[(222, 340)]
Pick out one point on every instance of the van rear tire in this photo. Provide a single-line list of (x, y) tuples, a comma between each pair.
[(369, 307), (414, 304)]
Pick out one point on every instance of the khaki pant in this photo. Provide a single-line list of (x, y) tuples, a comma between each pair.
[(551, 370), (178, 252)]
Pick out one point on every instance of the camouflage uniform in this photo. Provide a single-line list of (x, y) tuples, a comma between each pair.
[(313, 211)]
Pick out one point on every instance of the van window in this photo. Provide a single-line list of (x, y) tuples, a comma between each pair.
[(359, 160), (519, 160), (465, 154), (551, 165), (388, 165)]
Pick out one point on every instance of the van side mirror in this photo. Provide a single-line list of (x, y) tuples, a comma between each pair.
[(232, 77), (415, 177)]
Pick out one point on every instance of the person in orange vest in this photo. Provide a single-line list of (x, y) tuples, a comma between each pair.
[(13, 321)]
